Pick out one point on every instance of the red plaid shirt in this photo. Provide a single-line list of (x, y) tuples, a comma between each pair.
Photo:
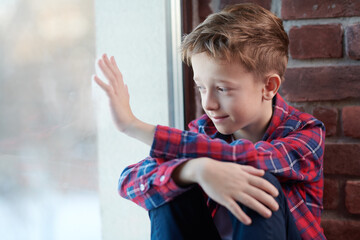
[(292, 149)]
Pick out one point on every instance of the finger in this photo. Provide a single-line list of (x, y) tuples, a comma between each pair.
[(263, 184), (103, 85), (108, 64), (105, 61), (253, 171), (105, 69), (116, 69), (107, 72), (235, 209), (254, 204), (119, 77), (263, 198)]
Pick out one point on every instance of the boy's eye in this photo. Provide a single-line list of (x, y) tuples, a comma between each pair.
[(222, 89)]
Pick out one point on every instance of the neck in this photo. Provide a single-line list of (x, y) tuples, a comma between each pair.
[(255, 131)]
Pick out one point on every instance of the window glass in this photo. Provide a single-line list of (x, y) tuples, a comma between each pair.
[(48, 157)]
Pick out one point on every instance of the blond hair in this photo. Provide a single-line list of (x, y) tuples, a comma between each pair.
[(246, 33)]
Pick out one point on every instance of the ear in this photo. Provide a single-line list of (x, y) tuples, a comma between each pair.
[(271, 87)]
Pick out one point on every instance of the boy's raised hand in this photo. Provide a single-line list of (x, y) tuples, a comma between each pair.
[(117, 92)]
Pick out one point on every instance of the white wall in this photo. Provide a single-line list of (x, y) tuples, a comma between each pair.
[(135, 33)]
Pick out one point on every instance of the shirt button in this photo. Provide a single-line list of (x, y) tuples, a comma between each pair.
[(142, 187), (162, 178)]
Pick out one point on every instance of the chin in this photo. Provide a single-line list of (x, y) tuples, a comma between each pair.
[(224, 131)]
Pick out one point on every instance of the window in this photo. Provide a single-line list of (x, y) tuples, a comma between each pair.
[(48, 156)]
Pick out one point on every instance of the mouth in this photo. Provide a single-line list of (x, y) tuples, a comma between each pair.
[(218, 119)]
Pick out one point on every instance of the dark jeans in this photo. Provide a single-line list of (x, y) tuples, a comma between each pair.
[(187, 217)]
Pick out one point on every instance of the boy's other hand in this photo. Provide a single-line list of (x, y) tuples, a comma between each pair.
[(229, 183), (117, 92)]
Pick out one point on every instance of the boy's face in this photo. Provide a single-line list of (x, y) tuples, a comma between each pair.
[(231, 96)]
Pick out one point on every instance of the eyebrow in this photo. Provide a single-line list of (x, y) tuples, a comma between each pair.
[(226, 81), (196, 79)]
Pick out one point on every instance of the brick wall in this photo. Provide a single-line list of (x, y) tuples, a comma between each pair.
[(323, 78)]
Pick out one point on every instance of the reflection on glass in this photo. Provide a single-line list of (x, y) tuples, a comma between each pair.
[(48, 167)]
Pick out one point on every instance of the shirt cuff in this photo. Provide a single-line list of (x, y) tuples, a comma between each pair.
[(164, 176)]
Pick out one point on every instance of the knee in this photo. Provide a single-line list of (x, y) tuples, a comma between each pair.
[(281, 199)]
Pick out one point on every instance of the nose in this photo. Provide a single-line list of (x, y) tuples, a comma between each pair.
[(209, 101)]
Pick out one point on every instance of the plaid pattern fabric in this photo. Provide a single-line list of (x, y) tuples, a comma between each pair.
[(292, 149)]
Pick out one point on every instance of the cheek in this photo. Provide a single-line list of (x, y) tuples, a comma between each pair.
[(233, 103), (238, 113), (240, 108), (234, 109)]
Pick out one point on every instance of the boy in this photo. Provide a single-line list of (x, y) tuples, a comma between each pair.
[(210, 182)]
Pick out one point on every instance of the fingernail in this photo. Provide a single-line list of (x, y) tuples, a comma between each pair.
[(276, 207), (275, 193), (268, 213)]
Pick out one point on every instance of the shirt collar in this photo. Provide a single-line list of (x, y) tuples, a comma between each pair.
[(280, 113)]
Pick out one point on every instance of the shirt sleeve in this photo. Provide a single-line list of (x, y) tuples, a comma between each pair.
[(297, 156), (148, 183)]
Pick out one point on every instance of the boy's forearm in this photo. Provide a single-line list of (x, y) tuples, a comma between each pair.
[(188, 172), (142, 131)]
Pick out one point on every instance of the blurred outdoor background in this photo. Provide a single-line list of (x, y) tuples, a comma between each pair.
[(48, 157)]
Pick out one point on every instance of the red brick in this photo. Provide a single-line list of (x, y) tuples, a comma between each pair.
[(316, 41), (305, 9), (352, 196), (329, 116), (342, 159), (321, 83), (350, 119), (331, 193), (264, 3), (353, 40), (341, 229)]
